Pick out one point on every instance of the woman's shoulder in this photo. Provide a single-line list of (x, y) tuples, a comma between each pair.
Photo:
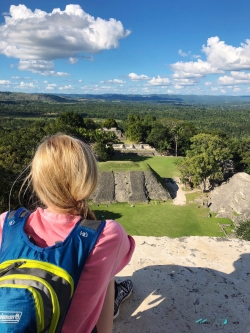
[(114, 229), (114, 237)]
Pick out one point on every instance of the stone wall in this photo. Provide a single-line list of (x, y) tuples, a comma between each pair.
[(138, 190), (105, 192), (139, 149), (129, 186), (232, 199)]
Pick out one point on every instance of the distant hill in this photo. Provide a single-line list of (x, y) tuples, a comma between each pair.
[(17, 97), (160, 98), (164, 98)]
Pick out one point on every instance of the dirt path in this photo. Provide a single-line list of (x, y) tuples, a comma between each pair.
[(180, 198)]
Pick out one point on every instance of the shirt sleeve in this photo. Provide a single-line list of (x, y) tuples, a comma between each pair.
[(111, 254), (2, 218)]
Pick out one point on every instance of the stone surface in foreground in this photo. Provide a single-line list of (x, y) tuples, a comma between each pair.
[(192, 284)]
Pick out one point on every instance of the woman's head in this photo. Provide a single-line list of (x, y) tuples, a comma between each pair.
[(64, 174)]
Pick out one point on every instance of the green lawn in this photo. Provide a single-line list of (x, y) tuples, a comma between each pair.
[(162, 165), (162, 219), (159, 218)]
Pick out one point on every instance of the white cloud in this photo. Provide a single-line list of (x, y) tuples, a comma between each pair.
[(73, 60), (226, 80), (5, 82), (214, 88), (80, 80), (35, 65), (97, 88), (189, 54), (237, 89), (146, 90), (44, 37), (105, 87), (223, 91), (227, 57), (51, 86), (192, 69), (177, 86), (135, 77), (208, 83), (183, 54), (235, 78), (159, 81), (85, 87), (170, 91), (240, 75), (42, 67), (69, 87), (116, 81), (53, 73), (26, 85), (220, 57), (185, 82)]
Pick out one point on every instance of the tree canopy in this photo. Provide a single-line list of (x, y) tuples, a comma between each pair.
[(204, 159), (110, 122)]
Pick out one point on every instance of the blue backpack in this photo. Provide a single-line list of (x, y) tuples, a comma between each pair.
[(37, 284)]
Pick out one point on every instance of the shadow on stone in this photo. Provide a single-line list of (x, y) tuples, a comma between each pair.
[(172, 187), (173, 298)]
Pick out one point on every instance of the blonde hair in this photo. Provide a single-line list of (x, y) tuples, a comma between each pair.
[(63, 174)]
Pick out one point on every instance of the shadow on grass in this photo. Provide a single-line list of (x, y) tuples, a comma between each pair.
[(134, 157), (106, 215)]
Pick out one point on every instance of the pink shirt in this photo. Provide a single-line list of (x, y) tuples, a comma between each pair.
[(112, 252)]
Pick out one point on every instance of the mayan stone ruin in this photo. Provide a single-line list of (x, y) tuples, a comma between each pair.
[(129, 186)]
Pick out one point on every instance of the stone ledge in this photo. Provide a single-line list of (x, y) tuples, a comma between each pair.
[(179, 281)]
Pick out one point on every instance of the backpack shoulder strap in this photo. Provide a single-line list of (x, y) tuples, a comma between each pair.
[(12, 232), (93, 228), (83, 238), (92, 224), (15, 214)]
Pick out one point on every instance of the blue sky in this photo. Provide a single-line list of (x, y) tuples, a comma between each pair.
[(125, 46)]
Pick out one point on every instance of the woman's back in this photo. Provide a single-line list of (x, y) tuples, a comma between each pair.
[(63, 175)]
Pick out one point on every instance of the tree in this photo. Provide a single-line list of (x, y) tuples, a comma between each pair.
[(240, 149), (103, 152), (176, 131), (159, 137), (71, 119), (135, 132), (180, 133), (188, 131), (17, 147), (204, 160), (243, 230), (89, 123), (110, 122)]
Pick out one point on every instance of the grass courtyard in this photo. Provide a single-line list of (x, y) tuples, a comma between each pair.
[(162, 219), (162, 165)]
